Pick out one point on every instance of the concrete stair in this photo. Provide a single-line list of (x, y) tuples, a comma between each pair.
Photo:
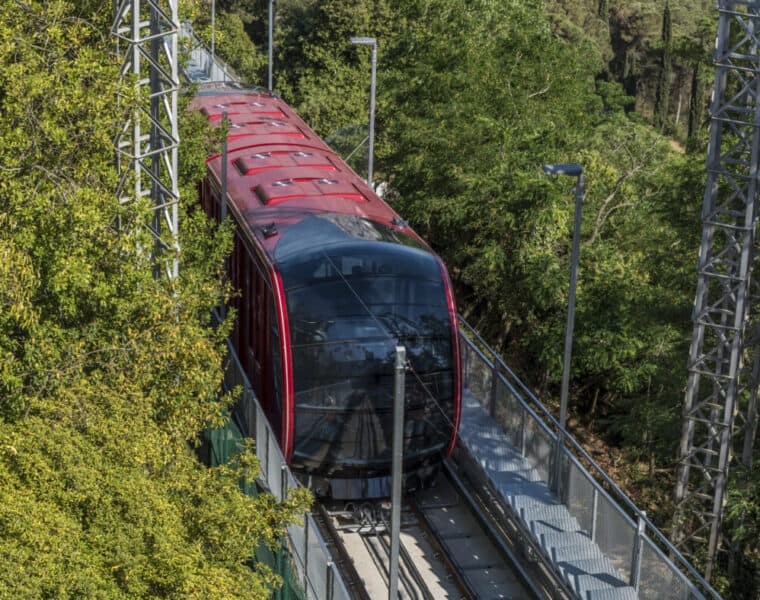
[(575, 556)]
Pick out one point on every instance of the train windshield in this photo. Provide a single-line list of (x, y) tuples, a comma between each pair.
[(350, 304)]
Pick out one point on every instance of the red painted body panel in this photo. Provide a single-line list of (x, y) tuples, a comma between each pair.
[(260, 153), (456, 417), (286, 441)]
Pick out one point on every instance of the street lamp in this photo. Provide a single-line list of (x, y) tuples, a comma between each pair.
[(213, 29), (572, 170), (368, 41), (271, 27)]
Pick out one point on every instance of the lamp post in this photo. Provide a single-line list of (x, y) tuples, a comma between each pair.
[(572, 170), (271, 44), (397, 467), (213, 29), (368, 41)]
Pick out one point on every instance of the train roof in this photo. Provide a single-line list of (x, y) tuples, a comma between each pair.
[(279, 172)]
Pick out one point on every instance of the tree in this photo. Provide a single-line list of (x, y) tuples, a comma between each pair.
[(483, 97), (327, 78), (108, 375), (604, 9), (662, 96)]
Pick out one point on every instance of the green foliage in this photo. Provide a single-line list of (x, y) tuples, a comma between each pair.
[(742, 520), (233, 45), (482, 97), (628, 38), (316, 63), (107, 375)]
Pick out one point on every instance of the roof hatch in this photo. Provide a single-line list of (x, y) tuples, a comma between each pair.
[(301, 188), (282, 159)]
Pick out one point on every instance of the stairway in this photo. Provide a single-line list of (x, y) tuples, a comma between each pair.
[(574, 555)]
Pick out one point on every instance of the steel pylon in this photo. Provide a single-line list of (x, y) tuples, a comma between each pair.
[(723, 360), (146, 32)]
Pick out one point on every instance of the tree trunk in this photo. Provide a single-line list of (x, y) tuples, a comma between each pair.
[(695, 104), (678, 110)]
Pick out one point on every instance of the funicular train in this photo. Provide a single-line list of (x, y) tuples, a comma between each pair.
[(331, 280)]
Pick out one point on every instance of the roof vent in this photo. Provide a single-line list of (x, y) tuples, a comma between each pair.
[(269, 230), (220, 106), (282, 183), (327, 181), (262, 155), (258, 104), (236, 126), (303, 154)]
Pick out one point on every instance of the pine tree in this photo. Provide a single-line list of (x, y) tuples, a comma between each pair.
[(604, 9), (695, 106), (663, 83)]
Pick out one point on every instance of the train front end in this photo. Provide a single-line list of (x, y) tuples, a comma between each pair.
[(356, 289)]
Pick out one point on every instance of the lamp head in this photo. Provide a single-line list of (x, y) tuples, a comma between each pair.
[(369, 41), (571, 169)]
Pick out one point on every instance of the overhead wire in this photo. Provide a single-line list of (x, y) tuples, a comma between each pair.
[(394, 338)]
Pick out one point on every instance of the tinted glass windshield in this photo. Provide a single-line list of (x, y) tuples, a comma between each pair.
[(349, 306)]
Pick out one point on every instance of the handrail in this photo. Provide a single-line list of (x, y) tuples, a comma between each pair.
[(187, 32), (640, 515)]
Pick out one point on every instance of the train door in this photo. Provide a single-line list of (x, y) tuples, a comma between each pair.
[(260, 333), (275, 378), (238, 274), (246, 316)]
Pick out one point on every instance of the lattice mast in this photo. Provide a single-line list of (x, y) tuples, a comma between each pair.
[(147, 33), (720, 393)]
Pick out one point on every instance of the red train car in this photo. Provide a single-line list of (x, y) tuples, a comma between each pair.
[(331, 280)]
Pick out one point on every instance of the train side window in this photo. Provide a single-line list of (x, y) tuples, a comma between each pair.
[(251, 274), (246, 264), (235, 269), (275, 349)]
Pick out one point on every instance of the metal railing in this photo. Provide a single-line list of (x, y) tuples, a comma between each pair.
[(640, 552), (317, 573), (201, 67)]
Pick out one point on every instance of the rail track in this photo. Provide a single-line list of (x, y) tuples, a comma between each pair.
[(446, 548)]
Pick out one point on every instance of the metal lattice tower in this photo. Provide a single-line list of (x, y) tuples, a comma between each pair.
[(719, 405), (147, 32)]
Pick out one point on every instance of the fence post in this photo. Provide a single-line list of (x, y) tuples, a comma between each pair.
[(280, 569), (523, 425), (306, 557), (250, 412), (266, 459), (638, 549), (330, 580), (283, 481), (594, 514), (556, 466), (467, 361), (494, 384)]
